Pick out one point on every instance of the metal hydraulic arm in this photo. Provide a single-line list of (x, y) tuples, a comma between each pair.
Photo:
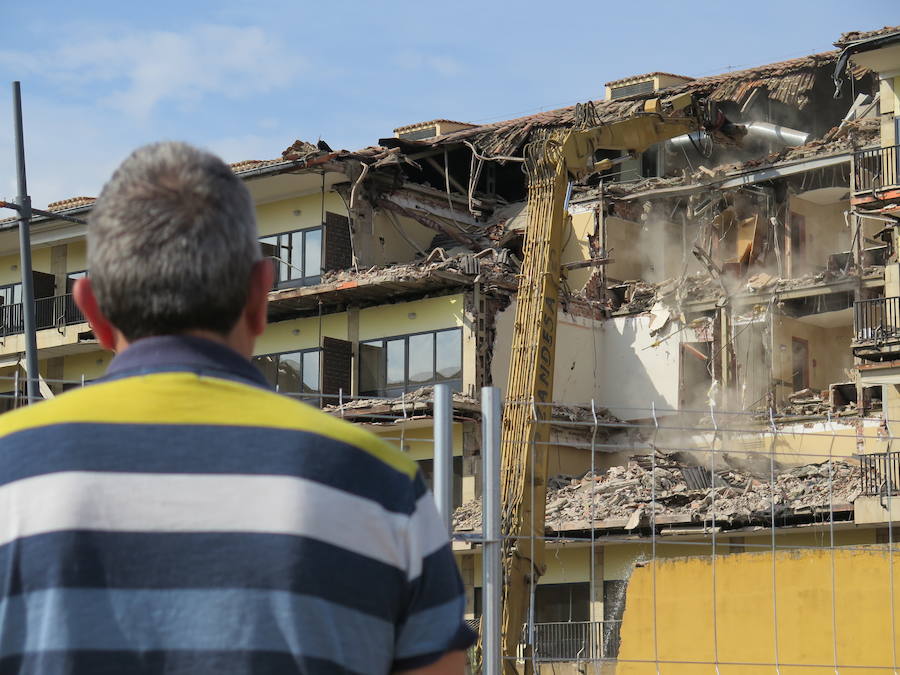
[(554, 158)]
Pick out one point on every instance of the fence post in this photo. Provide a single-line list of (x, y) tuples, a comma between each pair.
[(492, 580), (443, 453)]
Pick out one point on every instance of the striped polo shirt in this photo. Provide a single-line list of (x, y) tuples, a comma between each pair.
[(179, 517)]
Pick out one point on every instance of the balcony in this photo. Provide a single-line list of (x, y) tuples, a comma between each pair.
[(53, 312), (877, 329), (875, 180)]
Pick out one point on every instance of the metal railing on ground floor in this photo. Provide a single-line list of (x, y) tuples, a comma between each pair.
[(569, 641)]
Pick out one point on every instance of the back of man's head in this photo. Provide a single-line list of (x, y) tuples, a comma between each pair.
[(171, 243)]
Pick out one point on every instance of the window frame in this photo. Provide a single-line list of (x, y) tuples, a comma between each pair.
[(299, 395), (407, 385), (12, 286), (11, 320), (297, 260)]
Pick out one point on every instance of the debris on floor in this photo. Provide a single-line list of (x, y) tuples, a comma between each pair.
[(624, 497)]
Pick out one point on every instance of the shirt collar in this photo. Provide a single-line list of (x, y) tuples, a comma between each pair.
[(184, 353)]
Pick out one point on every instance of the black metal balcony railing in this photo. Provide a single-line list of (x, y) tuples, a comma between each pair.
[(876, 169), (877, 320), (52, 312), (880, 473)]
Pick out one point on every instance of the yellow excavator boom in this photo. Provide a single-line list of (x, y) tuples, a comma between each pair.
[(554, 157)]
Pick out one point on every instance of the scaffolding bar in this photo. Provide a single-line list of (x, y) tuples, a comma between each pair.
[(492, 581), (443, 452)]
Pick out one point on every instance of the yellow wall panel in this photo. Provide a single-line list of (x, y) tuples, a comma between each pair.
[(297, 334), (296, 214), (430, 314), (763, 612)]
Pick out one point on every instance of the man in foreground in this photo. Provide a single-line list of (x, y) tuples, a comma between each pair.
[(178, 517)]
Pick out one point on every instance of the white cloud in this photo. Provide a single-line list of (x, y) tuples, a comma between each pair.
[(139, 70)]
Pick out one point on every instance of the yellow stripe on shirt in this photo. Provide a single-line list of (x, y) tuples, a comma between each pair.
[(190, 399)]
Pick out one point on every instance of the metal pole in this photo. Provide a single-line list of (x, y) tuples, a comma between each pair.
[(24, 202), (492, 579), (443, 452)]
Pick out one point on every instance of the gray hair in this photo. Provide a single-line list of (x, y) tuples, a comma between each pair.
[(171, 243)]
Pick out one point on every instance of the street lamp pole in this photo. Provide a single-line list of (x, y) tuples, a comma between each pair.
[(24, 203)]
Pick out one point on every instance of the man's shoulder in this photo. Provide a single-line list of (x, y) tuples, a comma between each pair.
[(184, 398), (283, 412), (42, 413)]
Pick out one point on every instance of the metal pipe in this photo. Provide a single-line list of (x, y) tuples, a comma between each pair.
[(684, 140), (443, 452), (759, 130), (24, 202), (775, 132), (492, 575)]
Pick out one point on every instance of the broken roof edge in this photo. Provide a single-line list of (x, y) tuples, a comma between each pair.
[(557, 116), (735, 179), (856, 36)]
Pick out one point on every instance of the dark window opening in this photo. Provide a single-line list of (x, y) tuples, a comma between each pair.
[(562, 602), (426, 466), (394, 366), (800, 363), (798, 243)]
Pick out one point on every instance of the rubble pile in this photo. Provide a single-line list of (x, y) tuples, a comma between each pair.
[(730, 496), (640, 298), (421, 400), (491, 265), (806, 402), (408, 403)]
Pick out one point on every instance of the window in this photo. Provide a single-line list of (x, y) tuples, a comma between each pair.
[(292, 372), (11, 319), (562, 602), (396, 365), (298, 256), (631, 89), (11, 294)]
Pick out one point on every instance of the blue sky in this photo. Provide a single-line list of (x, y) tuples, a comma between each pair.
[(247, 79)]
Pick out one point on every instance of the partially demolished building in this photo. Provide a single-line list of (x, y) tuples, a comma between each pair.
[(759, 278)]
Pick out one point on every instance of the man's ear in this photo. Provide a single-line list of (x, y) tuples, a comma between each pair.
[(262, 276), (84, 296)]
